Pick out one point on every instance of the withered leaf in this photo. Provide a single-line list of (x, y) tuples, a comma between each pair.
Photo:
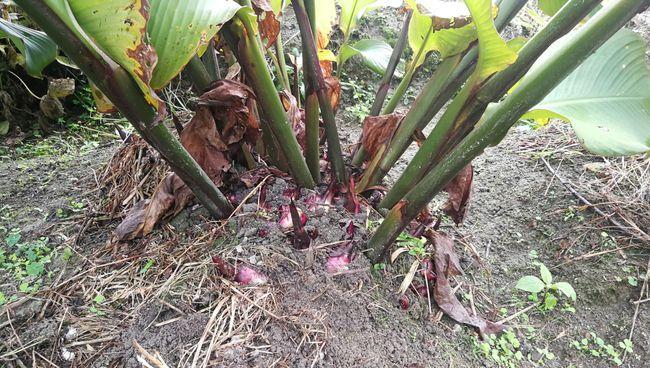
[(459, 190), (333, 86), (268, 23), (295, 116), (221, 124), (378, 130), (446, 264)]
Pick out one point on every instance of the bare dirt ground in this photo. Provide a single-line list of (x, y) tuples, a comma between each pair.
[(159, 300)]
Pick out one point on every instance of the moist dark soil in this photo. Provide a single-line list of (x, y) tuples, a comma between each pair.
[(105, 304)]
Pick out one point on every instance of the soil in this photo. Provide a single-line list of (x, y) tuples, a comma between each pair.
[(162, 299)]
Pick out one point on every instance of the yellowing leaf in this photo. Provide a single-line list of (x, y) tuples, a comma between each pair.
[(494, 53)]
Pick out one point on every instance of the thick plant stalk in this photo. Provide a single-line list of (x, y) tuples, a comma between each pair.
[(384, 84), (125, 94), (240, 34), (199, 74), (312, 111), (434, 102), (315, 75), (468, 107), (531, 90)]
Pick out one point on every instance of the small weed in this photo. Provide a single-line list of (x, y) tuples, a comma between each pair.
[(598, 348), (504, 350), (98, 300), (535, 285)]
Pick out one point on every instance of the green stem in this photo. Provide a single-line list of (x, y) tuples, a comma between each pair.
[(312, 111), (384, 84), (240, 34), (531, 90), (315, 75), (435, 102), (118, 85), (198, 74), (468, 107), (282, 62)]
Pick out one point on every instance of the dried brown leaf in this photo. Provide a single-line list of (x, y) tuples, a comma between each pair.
[(378, 130), (446, 264), (268, 24), (221, 124), (460, 190), (333, 86)]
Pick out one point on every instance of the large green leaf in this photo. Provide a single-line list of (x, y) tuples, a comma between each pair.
[(353, 10), (434, 27), (178, 29), (325, 11), (375, 54), (606, 99), (494, 53), (37, 48), (118, 27)]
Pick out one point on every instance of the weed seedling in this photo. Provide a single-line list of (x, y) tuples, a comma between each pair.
[(535, 285)]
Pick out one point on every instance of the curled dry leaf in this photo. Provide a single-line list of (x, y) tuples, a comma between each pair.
[(446, 264), (295, 115), (459, 190), (268, 23), (333, 86), (378, 130), (221, 124)]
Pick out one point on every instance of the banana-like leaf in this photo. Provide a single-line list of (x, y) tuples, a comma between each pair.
[(39, 50), (353, 10), (178, 29), (494, 53), (325, 11), (606, 99), (434, 27), (374, 53), (118, 28), (550, 7)]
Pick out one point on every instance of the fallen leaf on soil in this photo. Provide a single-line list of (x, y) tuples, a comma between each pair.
[(446, 264), (268, 24), (378, 130), (221, 124), (459, 189)]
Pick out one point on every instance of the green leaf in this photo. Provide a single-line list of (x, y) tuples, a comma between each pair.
[(34, 268), (12, 239), (531, 284), (4, 127), (550, 302), (353, 10), (325, 11), (447, 42), (494, 53), (375, 54), (566, 289), (118, 28), (607, 98), (99, 299), (550, 7), (546, 274), (278, 5), (3, 299), (178, 29), (39, 50)]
